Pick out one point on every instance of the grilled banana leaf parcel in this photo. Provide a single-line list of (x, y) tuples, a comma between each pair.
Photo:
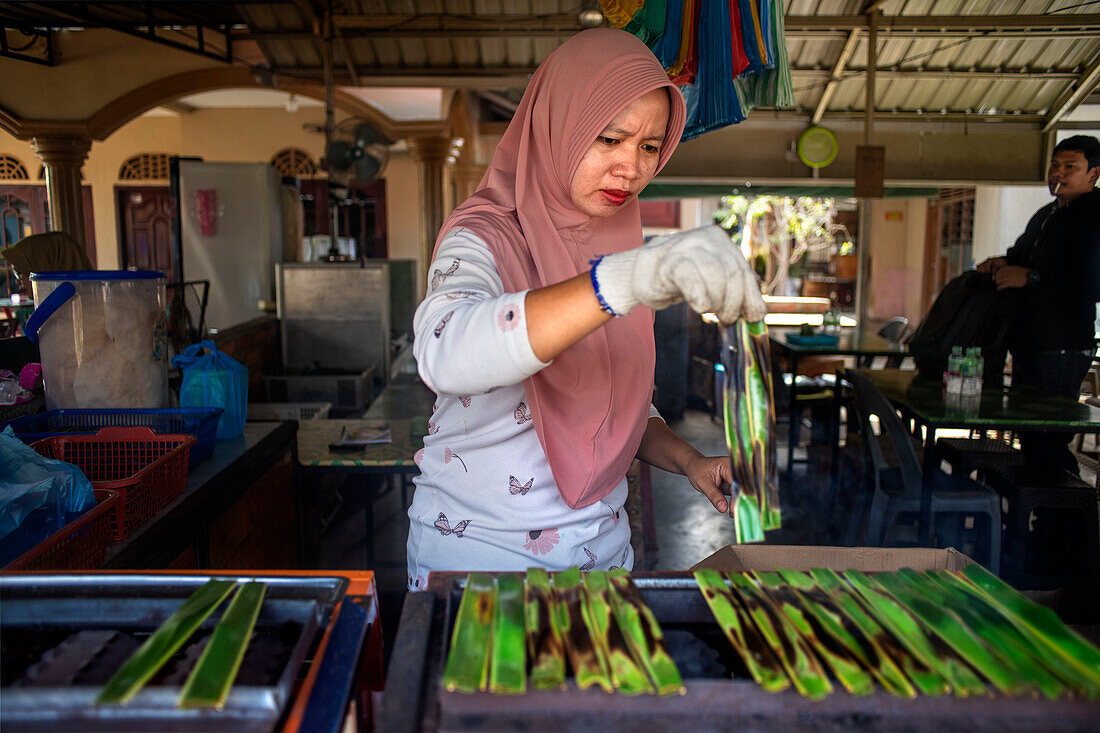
[(749, 413)]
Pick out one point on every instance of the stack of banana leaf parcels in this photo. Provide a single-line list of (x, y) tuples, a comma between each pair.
[(749, 415), (906, 633)]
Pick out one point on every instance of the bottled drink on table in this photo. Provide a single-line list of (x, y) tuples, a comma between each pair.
[(970, 384), (953, 376)]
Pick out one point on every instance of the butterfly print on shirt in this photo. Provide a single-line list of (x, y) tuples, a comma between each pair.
[(464, 399), (439, 276), (622, 560), (591, 560), (614, 513), (541, 541), (515, 487), (449, 454), (443, 324), (432, 428), (445, 528), (522, 413)]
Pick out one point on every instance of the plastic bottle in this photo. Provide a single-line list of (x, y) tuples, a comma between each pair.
[(970, 385), (980, 368), (954, 371)]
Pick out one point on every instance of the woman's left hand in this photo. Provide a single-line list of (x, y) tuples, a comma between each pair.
[(712, 477)]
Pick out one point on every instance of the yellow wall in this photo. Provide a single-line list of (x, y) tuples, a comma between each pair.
[(897, 259), (234, 135)]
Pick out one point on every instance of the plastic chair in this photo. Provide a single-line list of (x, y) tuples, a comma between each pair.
[(893, 483), (967, 455), (1052, 538), (895, 329)]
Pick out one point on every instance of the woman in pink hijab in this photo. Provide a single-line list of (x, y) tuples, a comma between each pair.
[(537, 329)]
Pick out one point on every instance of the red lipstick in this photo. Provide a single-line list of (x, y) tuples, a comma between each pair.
[(615, 197)]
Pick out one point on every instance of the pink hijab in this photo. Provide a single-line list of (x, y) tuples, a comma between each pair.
[(590, 406)]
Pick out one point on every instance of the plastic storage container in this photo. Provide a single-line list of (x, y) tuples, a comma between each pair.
[(202, 422), (102, 336), (79, 545), (146, 469)]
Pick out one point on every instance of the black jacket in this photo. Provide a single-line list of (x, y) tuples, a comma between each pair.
[(1063, 245)]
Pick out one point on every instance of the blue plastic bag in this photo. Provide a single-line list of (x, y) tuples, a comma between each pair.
[(215, 380), (30, 482)]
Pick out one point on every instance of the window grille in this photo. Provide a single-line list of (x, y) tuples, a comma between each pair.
[(11, 169), (294, 163), (145, 167)]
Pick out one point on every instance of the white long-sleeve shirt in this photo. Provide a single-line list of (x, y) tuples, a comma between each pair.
[(485, 498)]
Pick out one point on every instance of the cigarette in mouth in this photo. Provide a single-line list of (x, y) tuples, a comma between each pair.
[(1057, 186)]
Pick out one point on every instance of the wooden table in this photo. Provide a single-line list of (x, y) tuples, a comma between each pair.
[(854, 342), (1019, 408)]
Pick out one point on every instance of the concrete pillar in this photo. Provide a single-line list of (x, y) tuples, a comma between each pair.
[(63, 156), (432, 154)]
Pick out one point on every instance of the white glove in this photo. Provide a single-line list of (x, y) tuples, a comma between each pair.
[(701, 266)]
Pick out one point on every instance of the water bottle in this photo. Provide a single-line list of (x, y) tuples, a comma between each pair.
[(970, 386), (954, 371), (980, 369)]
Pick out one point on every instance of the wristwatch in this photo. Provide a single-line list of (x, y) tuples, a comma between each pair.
[(1032, 278)]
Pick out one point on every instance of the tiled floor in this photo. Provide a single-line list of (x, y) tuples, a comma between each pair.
[(688, 527)]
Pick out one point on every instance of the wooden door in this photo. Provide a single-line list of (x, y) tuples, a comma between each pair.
[(145, 227)]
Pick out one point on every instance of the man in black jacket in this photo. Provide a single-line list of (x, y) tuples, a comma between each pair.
[(1056, 265)]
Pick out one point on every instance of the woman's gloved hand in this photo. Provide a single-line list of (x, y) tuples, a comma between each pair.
[(701, 266)]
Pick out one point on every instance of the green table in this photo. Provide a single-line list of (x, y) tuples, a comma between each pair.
[(864, 345), (1020, 408)]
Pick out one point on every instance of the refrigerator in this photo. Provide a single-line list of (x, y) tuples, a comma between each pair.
[(231, 233)]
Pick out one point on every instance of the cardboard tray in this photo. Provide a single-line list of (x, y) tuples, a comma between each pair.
[(741, 558)]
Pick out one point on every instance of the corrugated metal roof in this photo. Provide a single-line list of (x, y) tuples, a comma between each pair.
[(1030, 61)]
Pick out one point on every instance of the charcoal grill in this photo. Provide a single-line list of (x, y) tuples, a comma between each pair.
[(720, 695), (63, 636)]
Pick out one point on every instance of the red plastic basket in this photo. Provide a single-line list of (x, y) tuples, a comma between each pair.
[(79, 545), (146, 469)]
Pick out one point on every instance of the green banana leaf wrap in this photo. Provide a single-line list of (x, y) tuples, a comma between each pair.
[(544, 643), (508, 669), (164, 642), (923, 676), (467, 667), (749, 413), (209, 683), (835, 647), (627, 674)]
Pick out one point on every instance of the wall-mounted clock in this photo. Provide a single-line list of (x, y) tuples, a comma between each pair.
[(817, 147)]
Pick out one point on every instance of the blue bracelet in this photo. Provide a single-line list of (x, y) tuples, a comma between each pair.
[(596, 286)]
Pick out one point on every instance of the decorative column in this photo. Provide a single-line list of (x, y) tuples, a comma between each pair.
[(432, 154), (63, 157), (466, 177)]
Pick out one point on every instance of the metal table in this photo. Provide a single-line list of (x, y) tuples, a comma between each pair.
[(1019, 408), (855, 342)]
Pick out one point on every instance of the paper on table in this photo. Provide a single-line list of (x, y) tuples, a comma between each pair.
[(365, 435)]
